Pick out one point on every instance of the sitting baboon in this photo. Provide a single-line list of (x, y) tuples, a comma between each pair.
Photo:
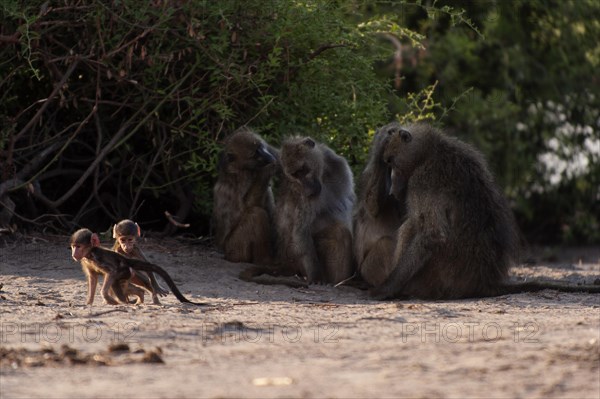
[(313, 212), (243, 200), (378, 214), (459, 238)]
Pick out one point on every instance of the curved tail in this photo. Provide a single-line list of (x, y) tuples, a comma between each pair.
[(535, 286), (150, 267), (270, 276)]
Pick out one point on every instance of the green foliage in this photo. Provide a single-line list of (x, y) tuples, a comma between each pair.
[(528, 53), (111, 110), (133, 98)]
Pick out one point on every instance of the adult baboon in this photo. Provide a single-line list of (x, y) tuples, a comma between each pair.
[(459, 238), (243, 201), (378, 214), (314, 211)]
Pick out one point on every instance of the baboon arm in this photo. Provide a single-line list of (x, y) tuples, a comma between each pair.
[(310, 265), (308, 260), (106, 286), (254, 196), (417, 242), (92, 280), (373, 197)]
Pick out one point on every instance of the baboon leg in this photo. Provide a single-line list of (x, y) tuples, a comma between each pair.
[(156, 288), (92, 279), (378, 262), (136, 291), (111, 283), (147, 283), (334, 249), (250, 241), (307, 262), (127, 289), (412, 253), (142, 283)]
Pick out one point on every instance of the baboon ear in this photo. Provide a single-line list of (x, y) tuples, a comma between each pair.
[(139, 231), (405, 136), (95, 240), (310, 143)]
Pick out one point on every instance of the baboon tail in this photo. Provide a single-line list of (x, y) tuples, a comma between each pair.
[(535, 286), (150, 267), (270, 276)]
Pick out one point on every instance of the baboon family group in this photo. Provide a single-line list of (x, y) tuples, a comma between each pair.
[(120, 267), (429, 222)]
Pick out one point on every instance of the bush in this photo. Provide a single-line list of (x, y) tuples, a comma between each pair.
[(117, 111)]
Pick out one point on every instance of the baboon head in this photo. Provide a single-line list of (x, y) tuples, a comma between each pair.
[(402, 155), (126, 232), (302, 163), (81, 243), (381, 139), (126, 228), (245, 150)]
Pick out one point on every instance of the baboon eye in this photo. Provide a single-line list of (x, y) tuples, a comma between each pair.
[(303, 171), (405, 136), (230, 157), (310, 143)]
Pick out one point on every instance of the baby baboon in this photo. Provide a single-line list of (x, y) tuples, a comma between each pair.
[(314, 212), (126, 233), (243, 201), (116, 269), (378, 214), (459, 238)]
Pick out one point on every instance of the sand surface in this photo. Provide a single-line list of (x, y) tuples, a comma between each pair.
[(274, 341)]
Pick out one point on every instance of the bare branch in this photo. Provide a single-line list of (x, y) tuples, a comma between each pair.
[(174, 222), (323, 48), (57, 88)]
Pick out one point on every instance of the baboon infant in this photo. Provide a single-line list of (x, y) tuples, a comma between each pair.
[(243, 201), (116, 269), (459, 238), (126, 233), (313, 212), (378, 214)]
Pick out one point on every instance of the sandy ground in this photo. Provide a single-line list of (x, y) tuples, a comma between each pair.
[(275, 341)]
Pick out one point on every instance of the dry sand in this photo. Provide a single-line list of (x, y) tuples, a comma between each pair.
[(275, 341)]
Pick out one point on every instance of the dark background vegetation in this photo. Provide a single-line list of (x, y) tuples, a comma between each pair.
[(116, 109)]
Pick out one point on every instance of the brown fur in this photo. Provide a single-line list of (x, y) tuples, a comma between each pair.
[(459, 239), (116, 269), (126, 233), (243, 202), (314, 212), (378, 215)]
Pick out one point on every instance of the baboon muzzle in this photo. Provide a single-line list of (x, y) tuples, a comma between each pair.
[(265, 156)]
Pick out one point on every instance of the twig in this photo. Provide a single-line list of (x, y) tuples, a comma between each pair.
[(175, 222), (146, 176), (106, 312), (33, 221), (57, 88), (324, 47)]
